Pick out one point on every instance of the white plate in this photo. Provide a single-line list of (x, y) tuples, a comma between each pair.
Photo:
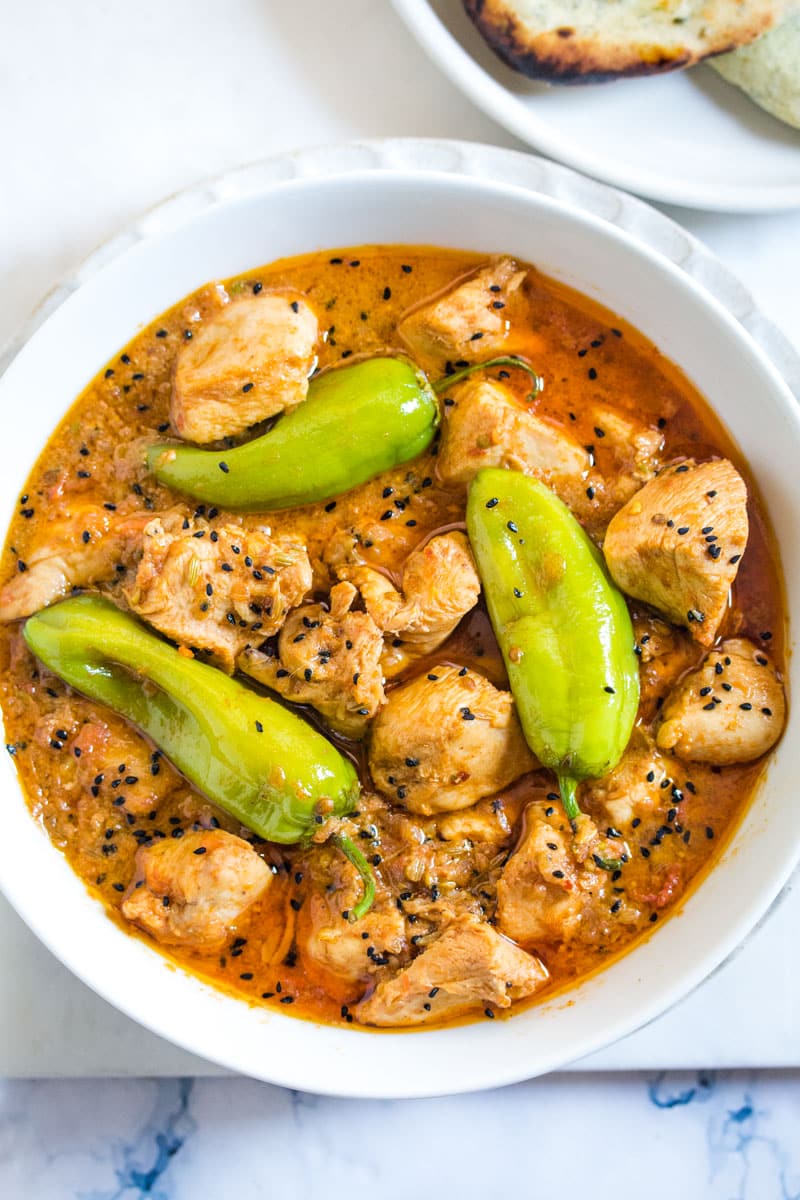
[(686, 138), (50, 1024), (197, 240)]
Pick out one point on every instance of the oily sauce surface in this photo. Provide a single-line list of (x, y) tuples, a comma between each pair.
[(584, 354)]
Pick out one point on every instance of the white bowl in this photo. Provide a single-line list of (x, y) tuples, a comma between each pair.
[(691, 329)]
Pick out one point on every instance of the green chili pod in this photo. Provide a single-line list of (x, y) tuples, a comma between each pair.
[(356, 422), (252, 757), (563, 628)]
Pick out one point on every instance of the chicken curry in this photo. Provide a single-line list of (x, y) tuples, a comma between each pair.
[(390, 634)]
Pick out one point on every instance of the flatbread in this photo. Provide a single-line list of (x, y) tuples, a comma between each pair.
[(588, 41), (769, 70)]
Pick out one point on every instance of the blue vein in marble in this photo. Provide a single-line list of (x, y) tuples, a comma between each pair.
[(157, 1144), (662, 1093), (740, 1140)]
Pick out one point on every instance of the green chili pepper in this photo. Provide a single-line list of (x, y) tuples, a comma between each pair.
[(356, 422), (563, 628), (252, 757)]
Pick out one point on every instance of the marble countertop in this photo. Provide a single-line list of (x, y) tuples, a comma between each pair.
[(109, 108)]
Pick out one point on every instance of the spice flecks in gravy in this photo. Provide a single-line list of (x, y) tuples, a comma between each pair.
[(103, 792)]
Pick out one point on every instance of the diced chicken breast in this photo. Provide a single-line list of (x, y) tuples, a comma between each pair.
[(217, 589), (664, 653), (546, 893), (469, 320), (188, 892), (678, 543), (634, 787), (487, 427), (440, 585), (250, 360), (469, 966), (446, 739), (634, 449), (82, 548), (731, 710), (329, 658), (342, 956), (116, 763)]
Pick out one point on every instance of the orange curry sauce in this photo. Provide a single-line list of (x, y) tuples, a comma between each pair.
[(584, 354)]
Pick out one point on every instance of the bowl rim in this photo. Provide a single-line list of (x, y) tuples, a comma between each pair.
[(645, 1011)]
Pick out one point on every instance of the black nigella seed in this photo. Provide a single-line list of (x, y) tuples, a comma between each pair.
[(493, 502), (387, 293), (259, 727), (248, 387), (257, 288), (592, 373), (512, 527), (330, 506), (199, 850), (223, 466)]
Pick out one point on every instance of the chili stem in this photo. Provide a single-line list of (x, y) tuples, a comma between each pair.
[(568, 788), (506, 361), (354, 855)]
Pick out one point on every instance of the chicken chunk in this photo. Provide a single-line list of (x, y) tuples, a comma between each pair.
[(664, 653), (329, 658), (678, 543), (546, 893), (632, 447), (469, 319), (339, 955), (217, 589), (189, 892), (634, 788), (117, 763), (83, 547), (731, 710), (446, 739), (440, 585), (469, 966), (248, 361), (488, 427)]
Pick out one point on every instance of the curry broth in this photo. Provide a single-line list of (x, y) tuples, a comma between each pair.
[(583, 353)]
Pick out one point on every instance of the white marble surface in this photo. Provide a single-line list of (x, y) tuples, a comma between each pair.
[(108, 108)]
